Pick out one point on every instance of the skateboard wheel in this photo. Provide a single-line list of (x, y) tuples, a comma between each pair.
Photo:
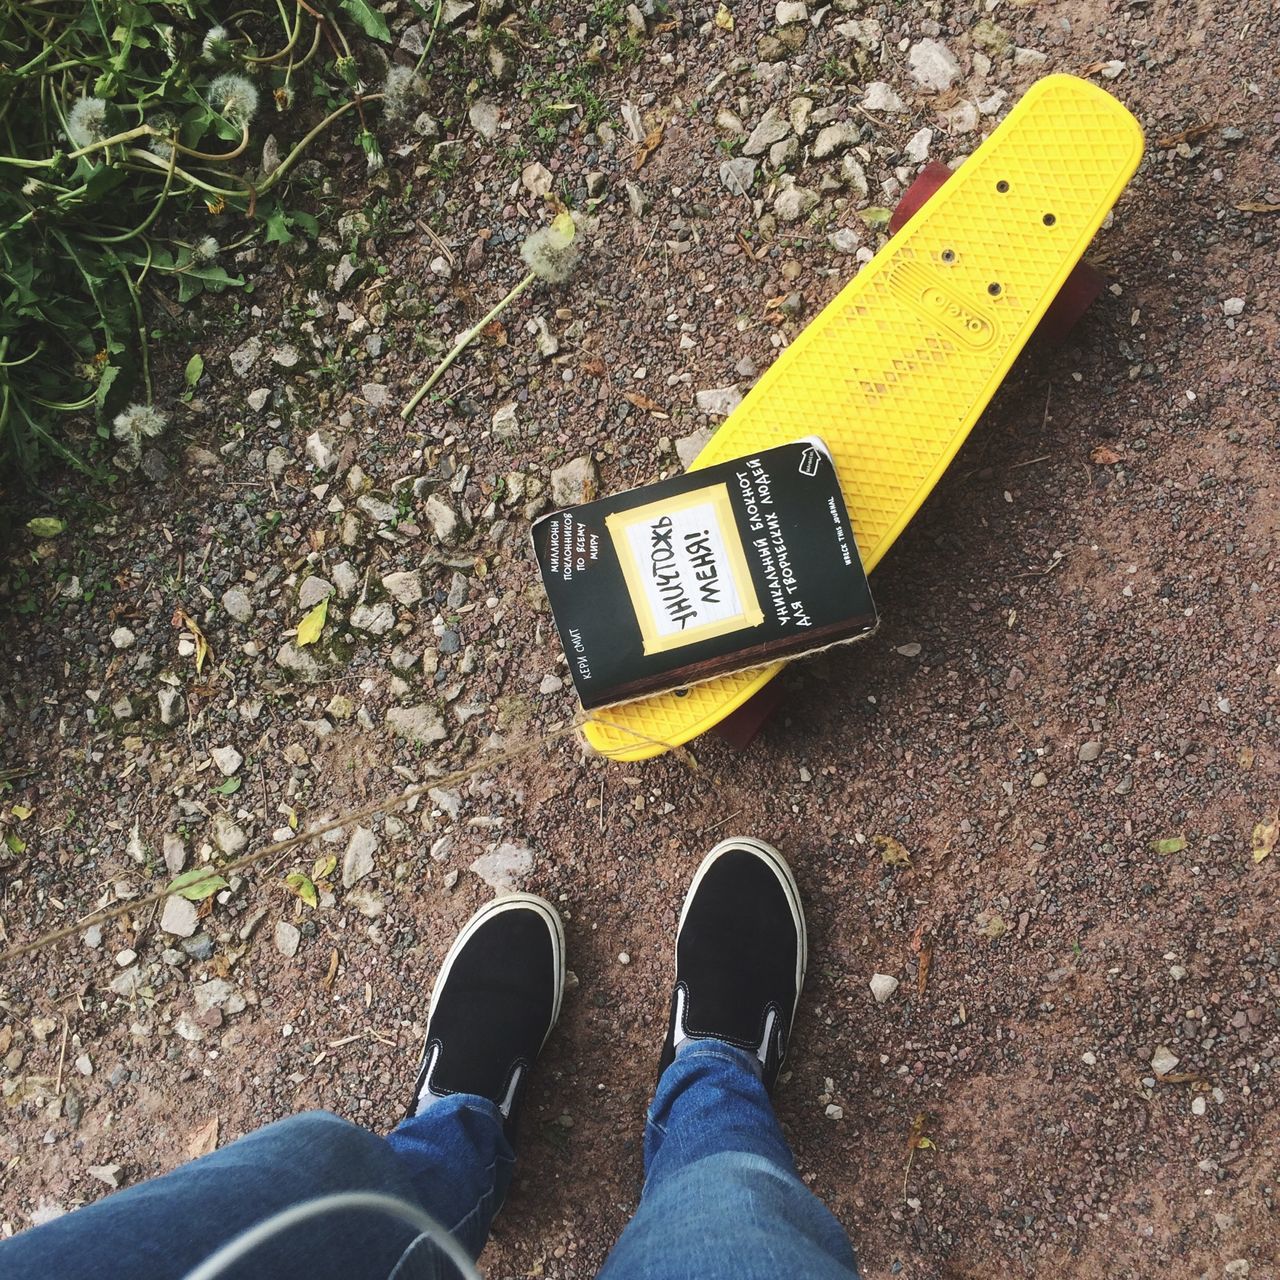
[(918, 194), (1081, 289), (739, 728)]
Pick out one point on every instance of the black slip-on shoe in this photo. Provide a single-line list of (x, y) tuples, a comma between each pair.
[(741, 953), (494, 1004)]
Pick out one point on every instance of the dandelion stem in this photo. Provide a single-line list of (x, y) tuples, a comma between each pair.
[(464, 342)]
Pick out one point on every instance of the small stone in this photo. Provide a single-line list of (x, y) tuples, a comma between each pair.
[(404, 587), (227, 759), (879, 96), (245, 356), (106, 1173), (257, 398), (574, 483), (853, 175), (1039, 779), (551, 684), (1198, 1105), (319, 453), (505, 867), (962, 118), (1089, 1059), (228, 838), (624, 957), (917, 148), (718, 401), (376, 509), (597, 183), (218, 993), (357, 861), (286, 937), (172, 704), (485, 119), (442, 518), (179, 916), (883, 985), (505, 424), (313, 590), (1089, 751), (835, 138), (788, 11), (237, 604), (636, 201), (188, 1028), (1177, 972), (298, 662), (416, 724), (1163, 1061), (286, 356), (122, 708), (376, 619), (834, 1111), (773, 127), (688, 447), (738, 175), (798, 114), (911, 649), (1023, 58), (932, 65), (122, 637), (793, 202), (1230, 307)]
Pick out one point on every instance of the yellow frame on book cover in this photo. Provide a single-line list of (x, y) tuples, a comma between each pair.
[(717, 497)]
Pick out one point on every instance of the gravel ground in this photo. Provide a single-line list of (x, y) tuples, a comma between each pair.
[(1068, 719)]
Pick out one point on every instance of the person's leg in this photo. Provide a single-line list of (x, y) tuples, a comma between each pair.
[(494, 1004), (721, 1195)]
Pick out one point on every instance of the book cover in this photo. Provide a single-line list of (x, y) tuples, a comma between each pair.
[(729, 567)]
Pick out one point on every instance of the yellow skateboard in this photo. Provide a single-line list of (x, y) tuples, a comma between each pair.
[(895, 371)]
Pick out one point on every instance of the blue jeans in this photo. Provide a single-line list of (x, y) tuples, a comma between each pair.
[(721, 1197)]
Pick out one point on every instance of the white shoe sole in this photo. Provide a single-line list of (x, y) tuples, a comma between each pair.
[(509, 902), (778, 865)]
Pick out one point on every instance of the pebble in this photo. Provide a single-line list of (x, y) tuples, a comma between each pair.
[(1163, 1061), (218, 993), (228, 838), (237, 604), (404, 587), (624, 957), (1089, 1059), (962, 118), (787, 12), (738, 175), (1232, 306), (883, 985), (879, 96), (773, 127), (442, 518), (376, 619), (313, 590), (298, 662), (357, 860), (504, 867), (416, 724), (793, 202), (917, 148), (1198, 1105), (836, 138), (485, 119), (122, 638), (574, 482), (719, 401), (505, 423), (845, 240), (227, 759), (834, 1111), (286, 937), (179, 917), (1177, 972), (853, 175), (378, 510), (245, 356), (688, 447), (932, 65), (319, 453), (257, 400), (551, 684), (1089, 751)]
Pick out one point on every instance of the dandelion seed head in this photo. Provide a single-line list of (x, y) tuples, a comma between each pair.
[(234, 98), (137, 423), (165, 125), (87, 122), (206, 249), (402, 90), (550, 254), (216, 46)]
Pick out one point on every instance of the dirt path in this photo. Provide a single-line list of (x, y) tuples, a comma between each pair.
[(1080, 657)]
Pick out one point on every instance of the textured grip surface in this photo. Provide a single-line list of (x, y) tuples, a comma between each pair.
[(897, 368)]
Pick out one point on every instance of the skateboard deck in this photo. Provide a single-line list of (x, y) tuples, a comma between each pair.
[(897, 368)]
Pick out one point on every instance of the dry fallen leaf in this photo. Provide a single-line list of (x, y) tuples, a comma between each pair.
[(333, 971), (916, 1141), (1172, 844), (181, 618), (202, 1139), (647, 147), (312, 625), (1258, 206), (1264, 837), (922, 969), (892, 852), (301, 885), (724, 19), (1104, 455), (642, 401), (1244, 757), (1194, 134), (991, 924)]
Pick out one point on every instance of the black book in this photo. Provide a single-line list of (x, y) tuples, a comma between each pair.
[(732, 566)]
